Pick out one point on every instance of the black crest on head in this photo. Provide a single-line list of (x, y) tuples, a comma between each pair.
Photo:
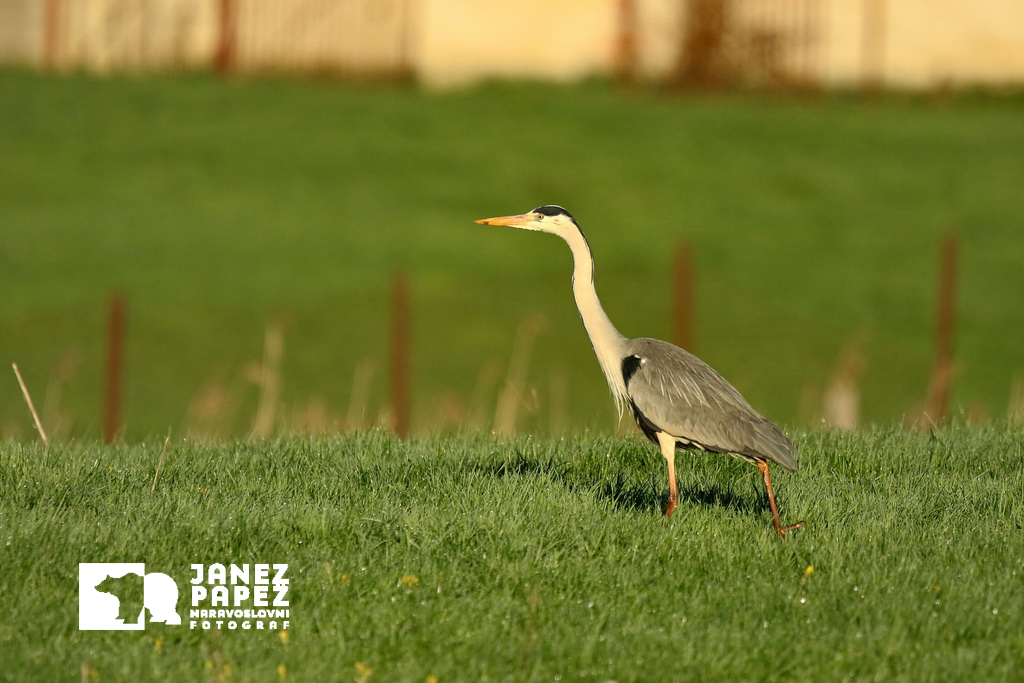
[(553, 210)]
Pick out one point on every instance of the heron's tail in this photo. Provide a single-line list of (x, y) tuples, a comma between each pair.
[(775, 446)]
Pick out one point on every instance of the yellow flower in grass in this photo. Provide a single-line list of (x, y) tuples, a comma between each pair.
[(809, 570), (282, 672), (431, 679), (410, 581), (363, 672), (283, 635)]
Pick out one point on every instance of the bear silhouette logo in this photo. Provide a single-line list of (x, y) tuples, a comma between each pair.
[(114, 596)]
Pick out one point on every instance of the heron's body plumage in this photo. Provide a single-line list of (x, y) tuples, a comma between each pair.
[(671, 390)]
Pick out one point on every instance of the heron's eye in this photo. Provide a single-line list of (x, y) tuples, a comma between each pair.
[(539, 216)]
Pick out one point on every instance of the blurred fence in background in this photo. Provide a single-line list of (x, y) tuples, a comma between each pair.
[(357, 37), (772, 44), (214, 409), (364, 37), (104, 35), (766, 44)]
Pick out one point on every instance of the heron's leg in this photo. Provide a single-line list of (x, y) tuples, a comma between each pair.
[(763, 466), (668, 449)]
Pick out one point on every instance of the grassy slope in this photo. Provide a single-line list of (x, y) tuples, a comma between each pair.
[(535, 559), (214, 205)]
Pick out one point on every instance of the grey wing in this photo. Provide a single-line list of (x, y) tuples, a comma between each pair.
[(678, 393)]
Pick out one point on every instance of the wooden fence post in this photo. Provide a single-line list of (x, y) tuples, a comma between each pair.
[(227, 38), (51, 32), (626, 42)]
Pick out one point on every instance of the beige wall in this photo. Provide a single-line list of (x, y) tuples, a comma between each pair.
[(462, 41), (959, 41), (21, 31), (928, 43)]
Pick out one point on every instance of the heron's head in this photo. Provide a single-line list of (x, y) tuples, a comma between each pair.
[(548, 218)]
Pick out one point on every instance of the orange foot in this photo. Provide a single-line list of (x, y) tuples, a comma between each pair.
[(671, 507), (783, 529)]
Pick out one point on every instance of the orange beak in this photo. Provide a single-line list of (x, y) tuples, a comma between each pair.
[(519, 221)]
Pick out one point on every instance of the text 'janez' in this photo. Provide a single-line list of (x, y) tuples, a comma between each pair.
[(239, 596)]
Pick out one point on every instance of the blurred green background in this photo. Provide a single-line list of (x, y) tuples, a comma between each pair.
[(218, 206)]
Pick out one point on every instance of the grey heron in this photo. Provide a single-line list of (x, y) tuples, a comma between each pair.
[(678, 401)]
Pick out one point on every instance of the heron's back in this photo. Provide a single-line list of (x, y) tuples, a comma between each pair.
[(673, 391)]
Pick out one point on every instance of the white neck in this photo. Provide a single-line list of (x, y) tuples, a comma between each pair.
[(609, 345)]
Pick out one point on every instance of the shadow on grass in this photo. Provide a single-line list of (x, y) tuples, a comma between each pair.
[(628, 494)]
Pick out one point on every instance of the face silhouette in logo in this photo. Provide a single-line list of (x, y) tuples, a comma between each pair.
[(161, 598)]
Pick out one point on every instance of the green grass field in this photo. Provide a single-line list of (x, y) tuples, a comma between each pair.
[(471, 558), (216, 206)]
